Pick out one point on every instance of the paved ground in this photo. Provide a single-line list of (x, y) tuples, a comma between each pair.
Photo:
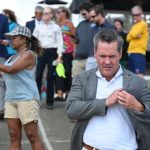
[(55, 129)]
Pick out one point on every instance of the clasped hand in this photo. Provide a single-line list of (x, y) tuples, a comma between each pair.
[(124, 98)]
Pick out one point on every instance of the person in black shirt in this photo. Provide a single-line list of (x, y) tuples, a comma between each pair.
[(118, 23)]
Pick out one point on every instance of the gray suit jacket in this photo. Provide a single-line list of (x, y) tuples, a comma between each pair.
[(82, 104)]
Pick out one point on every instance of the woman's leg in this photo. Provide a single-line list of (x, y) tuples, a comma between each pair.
[(51, 56), (68, 72), (59, 83), (31, 130), (40, 70), (15, 133)]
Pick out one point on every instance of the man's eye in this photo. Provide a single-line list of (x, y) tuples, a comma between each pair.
[(102, 56), (113, 56)]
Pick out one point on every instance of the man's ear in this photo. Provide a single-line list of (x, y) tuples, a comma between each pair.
[(94, 53), (120, 53)]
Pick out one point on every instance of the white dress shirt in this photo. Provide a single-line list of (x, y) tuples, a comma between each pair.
[(50, 36), (37, 22), (114, 130)]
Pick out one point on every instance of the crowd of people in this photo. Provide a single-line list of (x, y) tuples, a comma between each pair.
[(96, 54)]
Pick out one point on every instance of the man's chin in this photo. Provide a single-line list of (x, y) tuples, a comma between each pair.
[(107, 73), (107, 76)]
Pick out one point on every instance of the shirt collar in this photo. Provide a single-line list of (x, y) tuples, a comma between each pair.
[(119, 72), (50, 22), (104, 23), (39, 21)]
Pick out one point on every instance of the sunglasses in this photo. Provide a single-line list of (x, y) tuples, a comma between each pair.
[(46, 13), (136, 15), (83, 14), (93, 16), (40, 13), (58, 12)]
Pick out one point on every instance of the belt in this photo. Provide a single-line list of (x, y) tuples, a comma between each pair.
[(47, 49), (88, 147)]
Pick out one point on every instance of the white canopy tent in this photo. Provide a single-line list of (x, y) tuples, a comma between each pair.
[(24, 9)]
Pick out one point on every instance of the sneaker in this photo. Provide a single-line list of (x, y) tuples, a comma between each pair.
[(59, 99), (65, 97), (50, 106), (1, 116)]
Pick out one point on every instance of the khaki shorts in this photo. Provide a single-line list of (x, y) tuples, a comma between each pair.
[(26, 111)]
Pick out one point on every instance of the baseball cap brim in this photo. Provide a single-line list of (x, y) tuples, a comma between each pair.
[(9, 34), (19, 30)]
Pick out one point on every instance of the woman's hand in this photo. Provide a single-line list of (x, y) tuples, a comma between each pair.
[(4, 42)]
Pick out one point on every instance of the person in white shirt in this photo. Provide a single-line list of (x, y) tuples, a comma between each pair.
[(50, 36), (111, 104)]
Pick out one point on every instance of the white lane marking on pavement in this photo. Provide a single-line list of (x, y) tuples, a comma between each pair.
[(7, 143), (59, 141), (43, 133), (147, 77), (24, 142)]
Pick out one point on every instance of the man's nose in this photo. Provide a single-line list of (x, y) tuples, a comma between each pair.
[(107, 60), (91, 19)]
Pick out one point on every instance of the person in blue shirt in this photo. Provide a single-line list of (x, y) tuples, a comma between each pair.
[(3, 55), (97, 16), (12, 24), (83, 40)]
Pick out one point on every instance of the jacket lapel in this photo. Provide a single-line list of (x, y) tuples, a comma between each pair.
[(34, 24), (93, 80), (92, 88), (126, 79)]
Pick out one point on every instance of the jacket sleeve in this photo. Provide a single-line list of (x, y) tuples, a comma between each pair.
[(144, 98), (141, 120), (78, 105)]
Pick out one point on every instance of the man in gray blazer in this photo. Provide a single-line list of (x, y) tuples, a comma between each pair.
[(111, 104)]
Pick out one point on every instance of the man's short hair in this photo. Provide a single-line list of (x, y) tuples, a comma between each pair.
[(85, 6), (39, 8), (119, 20), (137, 7), (108, 36), (65, 10), (99, 9)]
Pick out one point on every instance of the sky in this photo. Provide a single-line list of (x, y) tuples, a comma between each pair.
[(24, 9)]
